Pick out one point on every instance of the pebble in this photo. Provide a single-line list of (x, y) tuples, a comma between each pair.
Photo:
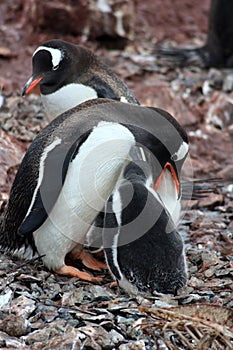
[(133, 345), (5, 298), (9, 342), (224, 272), (209, 272), (196, 282), (209, 258), (115, 336), (23, 306), (15, 326), (228, 83), (73, 298), (97, 337)]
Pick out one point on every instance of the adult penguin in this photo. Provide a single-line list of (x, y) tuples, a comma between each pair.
[(68, 74)]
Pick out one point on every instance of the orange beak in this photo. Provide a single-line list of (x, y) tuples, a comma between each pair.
[(174, 175), (31, 85)]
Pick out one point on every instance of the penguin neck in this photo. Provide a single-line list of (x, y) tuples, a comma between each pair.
[(169, 196), (66, 98)]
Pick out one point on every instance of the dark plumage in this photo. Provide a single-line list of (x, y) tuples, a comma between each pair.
[(143, 249)]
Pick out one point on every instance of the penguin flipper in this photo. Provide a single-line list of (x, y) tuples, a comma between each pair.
[(53, 168)]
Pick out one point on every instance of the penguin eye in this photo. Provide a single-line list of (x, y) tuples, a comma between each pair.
[(174, 157), (56, 67)]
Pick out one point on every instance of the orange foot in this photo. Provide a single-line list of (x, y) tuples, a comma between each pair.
[(114, 284), (74, 272), (89, 261)]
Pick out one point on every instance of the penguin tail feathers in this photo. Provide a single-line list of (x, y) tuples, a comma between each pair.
[(12, 243), (182, 56)]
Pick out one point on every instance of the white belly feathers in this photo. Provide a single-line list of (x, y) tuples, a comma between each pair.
[(90, 179), (66, 98)]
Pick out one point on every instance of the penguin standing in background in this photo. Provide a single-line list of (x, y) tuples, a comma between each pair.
[(69, 74), (143, 250), (218, 50), (70, 170)]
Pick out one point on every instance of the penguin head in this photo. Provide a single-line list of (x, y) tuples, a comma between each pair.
[(55, 64)]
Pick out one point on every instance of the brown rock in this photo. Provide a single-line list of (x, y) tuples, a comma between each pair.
[(211, 201), (220, 113), (5, 52), (111, 18), (159, 94), (16, 326), (63, 17), (226, 173)]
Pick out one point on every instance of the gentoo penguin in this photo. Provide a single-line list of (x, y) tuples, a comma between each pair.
[(70, 170), (218, 50), (143, 250), (69, 74)]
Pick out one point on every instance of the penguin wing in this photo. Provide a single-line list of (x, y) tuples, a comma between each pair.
[(53, 166)]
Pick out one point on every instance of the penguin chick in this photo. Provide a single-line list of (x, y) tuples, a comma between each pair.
[(143, 250)]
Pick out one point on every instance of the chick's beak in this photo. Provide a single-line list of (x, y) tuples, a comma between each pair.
[(31, 84)]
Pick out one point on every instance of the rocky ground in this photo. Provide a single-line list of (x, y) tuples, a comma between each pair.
[(40, 310)]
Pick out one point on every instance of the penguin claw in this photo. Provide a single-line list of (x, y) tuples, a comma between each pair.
[(89, 261), (113, 284), (74, 272)]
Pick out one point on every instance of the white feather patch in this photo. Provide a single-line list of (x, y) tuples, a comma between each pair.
[(25, 253), (66, 98), (56, 54), (182, 151), (117, 209), (44, 155), (89, 181)]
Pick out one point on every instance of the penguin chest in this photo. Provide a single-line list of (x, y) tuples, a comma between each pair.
[(90, 179), (66, 98)]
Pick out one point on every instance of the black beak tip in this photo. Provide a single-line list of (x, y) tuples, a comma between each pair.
[(24, 90)]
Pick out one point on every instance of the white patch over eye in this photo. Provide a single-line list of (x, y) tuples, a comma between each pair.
[(182, 151), (56, 54)]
